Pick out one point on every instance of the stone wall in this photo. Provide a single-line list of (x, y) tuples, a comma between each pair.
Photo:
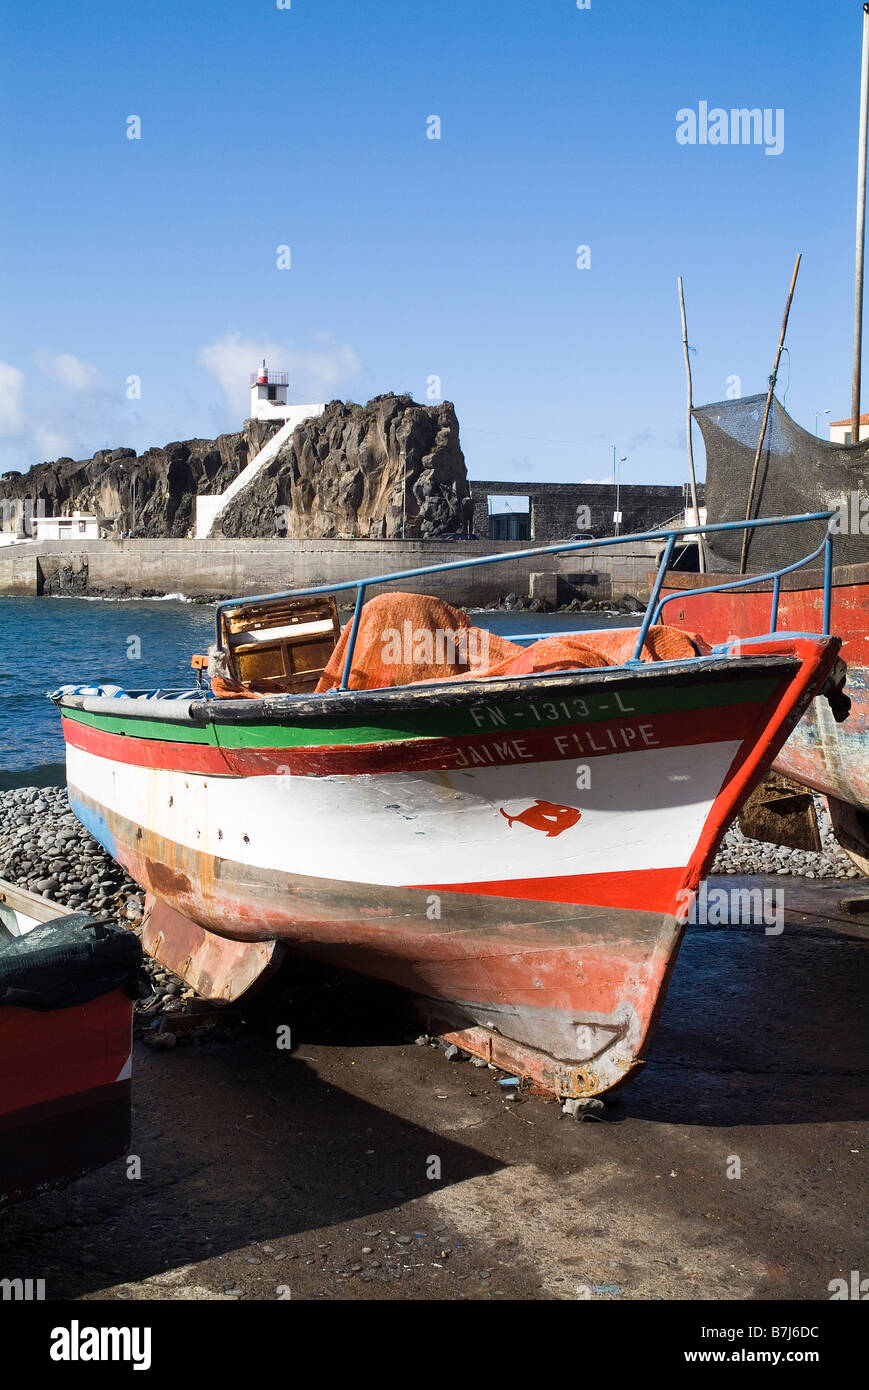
[(554, 506), (229, 568), (19, 571)]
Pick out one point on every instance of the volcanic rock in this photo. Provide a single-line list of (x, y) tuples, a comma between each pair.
[(388, 468)]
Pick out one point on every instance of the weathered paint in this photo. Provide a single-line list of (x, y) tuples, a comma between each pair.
[(218, 968), (641, 814), (64, 1079), (417, 869), (831, 758)]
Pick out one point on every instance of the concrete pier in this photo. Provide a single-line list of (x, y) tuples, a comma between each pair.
[(226, 568)]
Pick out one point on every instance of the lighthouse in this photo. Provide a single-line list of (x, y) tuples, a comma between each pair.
[(268, 394), (268, 401)]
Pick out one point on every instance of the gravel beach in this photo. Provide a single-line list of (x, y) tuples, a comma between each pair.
[(44, 847)]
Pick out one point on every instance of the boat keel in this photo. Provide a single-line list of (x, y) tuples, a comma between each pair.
[(851, 828), (218, 968), (567, 1081)]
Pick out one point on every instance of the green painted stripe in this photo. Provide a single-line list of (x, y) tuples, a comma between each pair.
[(485, 717), (144, 728), (492, 717)]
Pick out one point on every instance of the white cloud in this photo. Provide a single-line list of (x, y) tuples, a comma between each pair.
[(319, 373), (11, 385), (68, 370), (77, 416), (598, 480)]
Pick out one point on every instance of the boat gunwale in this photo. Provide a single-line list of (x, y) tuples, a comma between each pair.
[(843, 576), (450, 693), (35, 905)]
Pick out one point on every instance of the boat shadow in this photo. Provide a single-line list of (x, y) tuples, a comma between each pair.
[(239, 1142), (760, 1029), (756, 1028)]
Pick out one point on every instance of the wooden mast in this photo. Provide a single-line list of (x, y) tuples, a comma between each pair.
[(861, 233), (769, 395), (688, 423)]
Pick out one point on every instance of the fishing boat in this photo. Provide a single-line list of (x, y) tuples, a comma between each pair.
[(66, 1006), (777, 589), (513, 836)]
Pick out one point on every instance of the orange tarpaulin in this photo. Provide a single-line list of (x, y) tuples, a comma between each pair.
[(407, 638), (404, 639)]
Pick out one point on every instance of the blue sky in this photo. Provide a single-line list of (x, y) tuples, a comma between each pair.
[(412, 257)]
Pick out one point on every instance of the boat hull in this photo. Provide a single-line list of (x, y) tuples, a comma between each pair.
[(65, 1053), (518, 854), (65, 1093), (831, 758)]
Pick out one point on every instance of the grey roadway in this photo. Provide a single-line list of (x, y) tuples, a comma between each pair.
[(359, 1165)]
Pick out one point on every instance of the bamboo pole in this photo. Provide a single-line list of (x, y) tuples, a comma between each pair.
[(688, 424), (861, 234), (769, 395)]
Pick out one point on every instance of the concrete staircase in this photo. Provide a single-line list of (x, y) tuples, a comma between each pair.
[(208, 509)]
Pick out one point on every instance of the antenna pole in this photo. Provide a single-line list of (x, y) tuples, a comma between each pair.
[(688, 423), (861, 233)]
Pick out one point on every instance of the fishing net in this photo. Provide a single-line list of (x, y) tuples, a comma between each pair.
[(797, 473), (407, 638)]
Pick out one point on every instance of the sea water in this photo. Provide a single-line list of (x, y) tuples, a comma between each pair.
[(138, 644)]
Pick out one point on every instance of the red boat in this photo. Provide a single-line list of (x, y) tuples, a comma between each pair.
[(830, 758), (800, 473), (66, 1008)]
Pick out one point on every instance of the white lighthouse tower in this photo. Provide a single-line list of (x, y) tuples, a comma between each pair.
[(268, 394)]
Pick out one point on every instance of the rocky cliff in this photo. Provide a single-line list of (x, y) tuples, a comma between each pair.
[(388, 468), (158, 485), (370, 470)]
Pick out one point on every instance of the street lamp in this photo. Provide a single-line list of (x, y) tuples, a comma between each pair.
[(817, 414), (617, 515)]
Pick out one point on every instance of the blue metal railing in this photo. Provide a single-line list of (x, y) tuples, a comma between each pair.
[(776, 576), (653, 607)]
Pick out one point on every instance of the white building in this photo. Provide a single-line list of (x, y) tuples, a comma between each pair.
[(268, 401), (78, 527), (840, 430), (268, 398)]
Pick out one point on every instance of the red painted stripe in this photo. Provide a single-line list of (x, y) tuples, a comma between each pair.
[(50, 1054), (649, 890), (146, 752), (558, 743)]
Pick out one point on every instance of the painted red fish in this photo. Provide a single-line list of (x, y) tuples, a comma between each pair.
[(545, 815)]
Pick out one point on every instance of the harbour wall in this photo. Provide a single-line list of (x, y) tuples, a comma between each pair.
[(230, 568), (557, 510)]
